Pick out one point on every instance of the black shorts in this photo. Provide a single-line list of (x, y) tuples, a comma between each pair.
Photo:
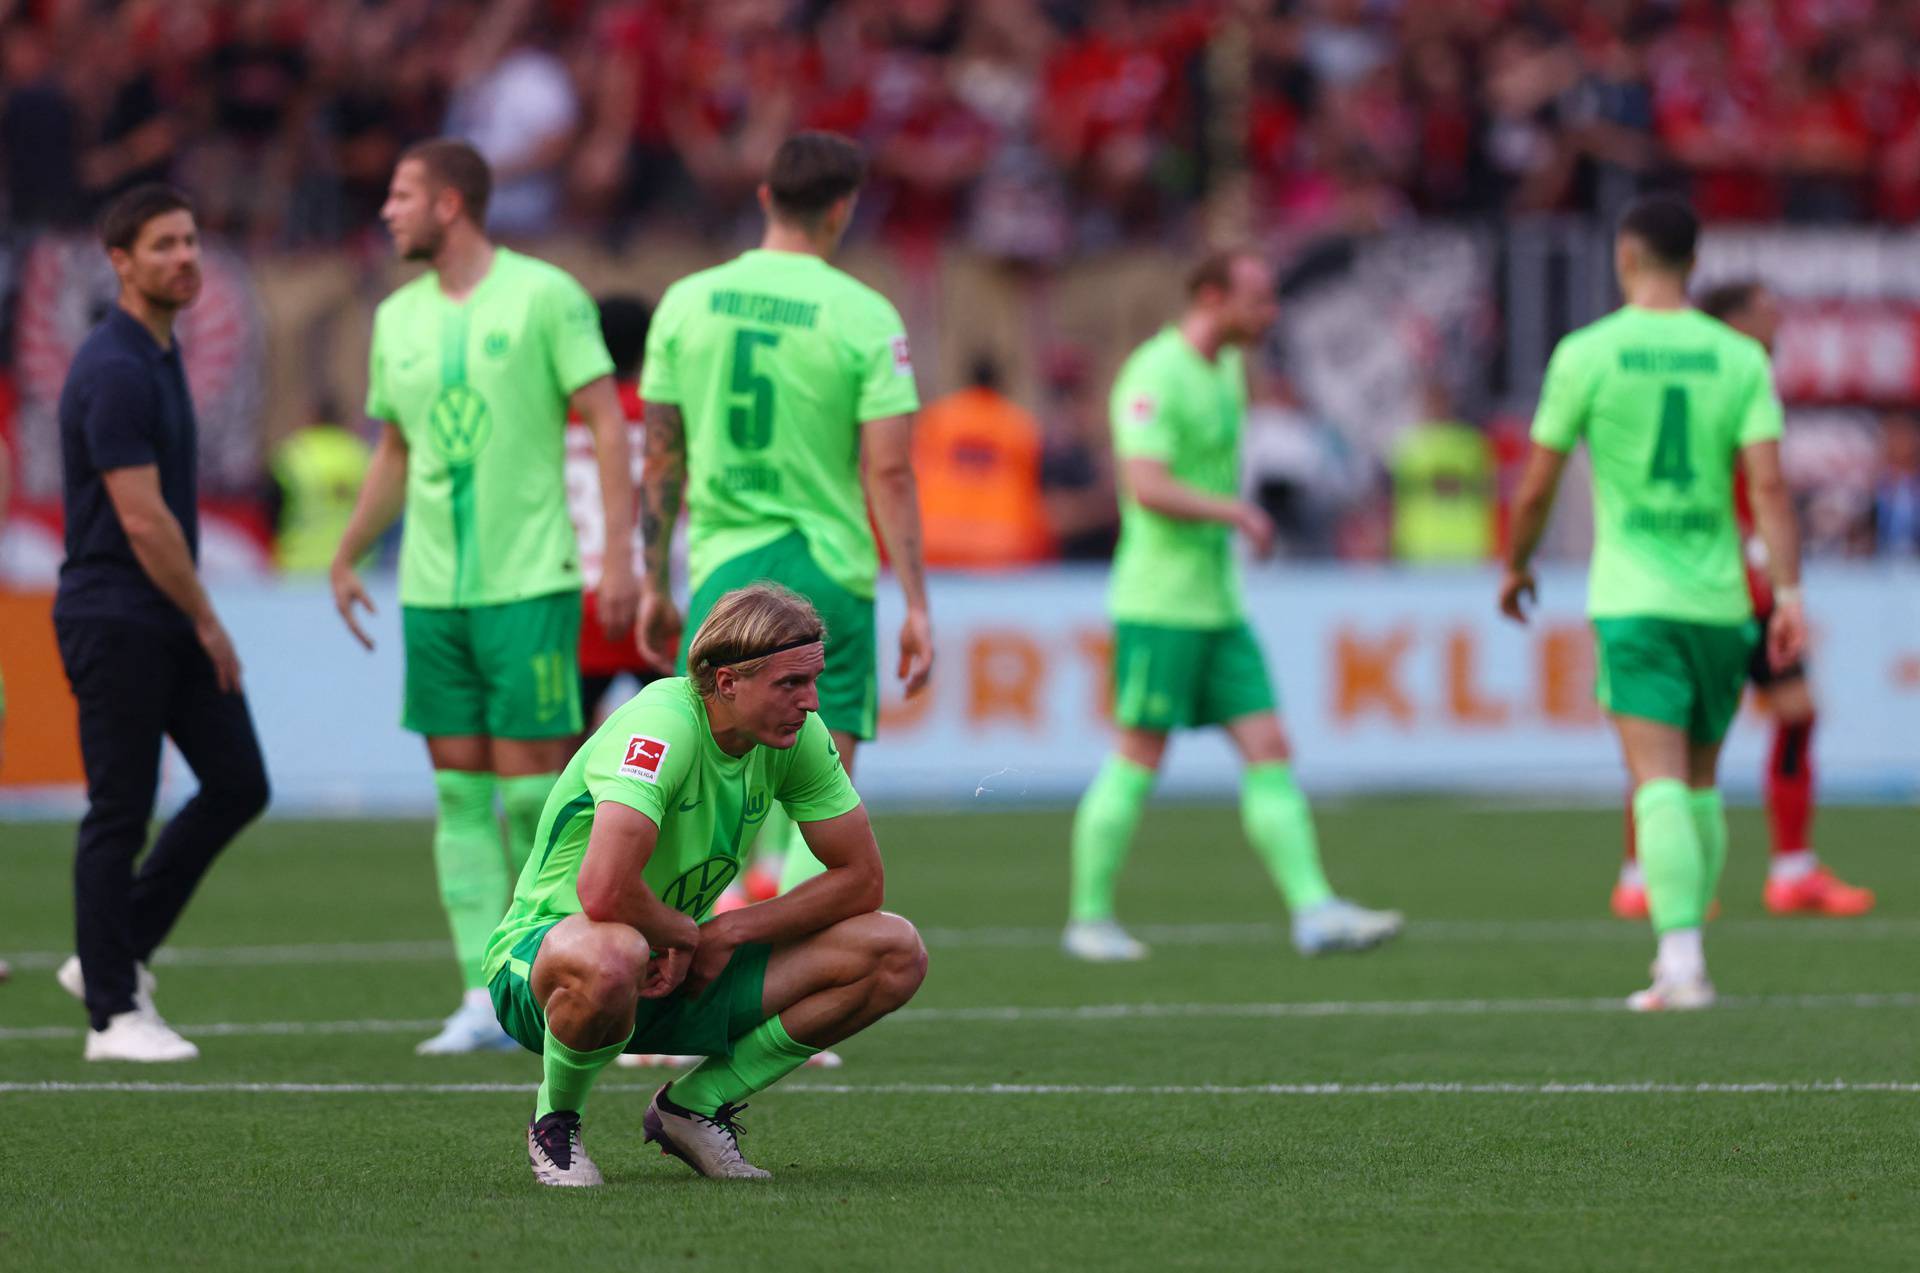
[(1760, 669)]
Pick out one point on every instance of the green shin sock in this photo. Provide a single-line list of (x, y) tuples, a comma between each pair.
[(474, 886), (1710, 825), (525, 798), (567, 1074), (1670, 854), (797, 865), (761, 1057), (1274, 813), (1103, 829)]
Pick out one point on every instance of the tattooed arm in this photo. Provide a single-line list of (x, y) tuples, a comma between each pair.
[(662, 484), (886, 453)]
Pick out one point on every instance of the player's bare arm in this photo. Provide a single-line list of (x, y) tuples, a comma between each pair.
[(886, 471), (1156, 489), (382, 497), (161, 548), (1533, 504), (612, 892), (663, 484), (854, 883), (598, 404), (1773, 516)]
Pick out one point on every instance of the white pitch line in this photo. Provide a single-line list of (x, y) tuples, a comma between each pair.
[(1761, 1088), (1098, 1012)]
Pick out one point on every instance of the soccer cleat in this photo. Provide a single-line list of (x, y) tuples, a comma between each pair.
[(655, 1061), (1101, 941), (74, 982), (762, 886), (1339, 925), (1672, 996), (824, 1059), (473, 1028), (136, 1036), (711, 1146), (1818, 892), (555, 1153), (1629, 900)]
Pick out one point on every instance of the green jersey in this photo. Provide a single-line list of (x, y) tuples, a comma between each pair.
[(1171, 404), (657, 754), (775, 360), (1665, 400), (479, 389)]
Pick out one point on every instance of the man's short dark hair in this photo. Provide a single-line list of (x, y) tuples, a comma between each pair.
[(811, 172), (126, 216), (452, 162), (1666, 225), (1727, 299), (1215, 269), (623, 325)]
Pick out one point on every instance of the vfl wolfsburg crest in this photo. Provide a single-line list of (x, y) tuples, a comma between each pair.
[(495, 345), (459, 424), (756, 810), (693, 892)]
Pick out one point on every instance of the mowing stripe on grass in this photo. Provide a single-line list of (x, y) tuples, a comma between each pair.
[(1096, 1012), (1762, 1088)]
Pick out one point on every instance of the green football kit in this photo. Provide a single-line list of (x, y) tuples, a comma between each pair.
[(1665, 399), (775, 360)]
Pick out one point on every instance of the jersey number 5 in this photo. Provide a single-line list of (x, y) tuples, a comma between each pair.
[(1672, 458), (750, 423)]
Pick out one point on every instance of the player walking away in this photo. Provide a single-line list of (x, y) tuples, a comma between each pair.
[(1184, 656), (474, 366), (1667, 399), (1797, 882), (609, 946), (776, 386)]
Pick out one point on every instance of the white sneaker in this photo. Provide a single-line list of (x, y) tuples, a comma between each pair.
[(1100, 941), (1339, 925), (824, 1059), (135, 1036), (75, 983), (655, 1061), (473, 1028), (555, 1153), (711, 1146), (1673, 996)]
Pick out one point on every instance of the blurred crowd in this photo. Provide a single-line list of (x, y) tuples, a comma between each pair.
[(1028, 129)]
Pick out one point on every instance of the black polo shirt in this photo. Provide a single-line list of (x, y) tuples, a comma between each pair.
[(124, 404)]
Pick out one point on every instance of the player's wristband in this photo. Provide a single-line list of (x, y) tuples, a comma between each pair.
[(1787, 596)]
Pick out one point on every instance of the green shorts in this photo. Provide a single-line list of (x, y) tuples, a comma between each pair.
[(678, 1024), (1687, 675), (1178, 678), (850, 686), (505, 671)]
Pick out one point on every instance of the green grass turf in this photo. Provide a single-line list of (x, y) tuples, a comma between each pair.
[(1508, 906)]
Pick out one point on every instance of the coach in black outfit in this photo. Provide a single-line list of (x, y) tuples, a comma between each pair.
[(146, 655)]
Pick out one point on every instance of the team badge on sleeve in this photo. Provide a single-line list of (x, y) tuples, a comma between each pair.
[(644, 757), (902, 359), (1142, 408)]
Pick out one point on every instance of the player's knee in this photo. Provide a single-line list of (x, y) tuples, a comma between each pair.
[(902, 962), (243, 796), (611, 970)]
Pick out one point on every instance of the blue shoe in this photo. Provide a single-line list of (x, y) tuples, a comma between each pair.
[(473, 1028), (1339, 925)]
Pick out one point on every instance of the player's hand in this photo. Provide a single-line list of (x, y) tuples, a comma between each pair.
[(1253, 523), (1518, 592), (916, 651), (348, 593), (657, 631), (618, 598), (1786, 633), (665, 971), (717, 944), (219, 647)]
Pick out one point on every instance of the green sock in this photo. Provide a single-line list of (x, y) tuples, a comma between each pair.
[(525, 798), (1710, 825), (568, 1074), (761, 1057), (797, 864), (474, 886), (1670, 854), (1275, 816), (1103, 829)]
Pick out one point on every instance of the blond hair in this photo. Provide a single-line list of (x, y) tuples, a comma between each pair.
[(748, 626)]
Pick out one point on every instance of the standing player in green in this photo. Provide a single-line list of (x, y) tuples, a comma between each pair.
[(605, 949), (1667, 400), (1183, 654), (776, 387), (474, 366)]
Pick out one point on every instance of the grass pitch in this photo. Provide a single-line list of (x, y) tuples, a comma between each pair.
[(1469, 1098)]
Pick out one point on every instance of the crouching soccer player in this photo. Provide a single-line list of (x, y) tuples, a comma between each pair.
[(603, 950)]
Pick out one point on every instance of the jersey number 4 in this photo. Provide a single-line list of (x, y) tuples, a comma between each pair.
[(1672, 457), (750, 422)]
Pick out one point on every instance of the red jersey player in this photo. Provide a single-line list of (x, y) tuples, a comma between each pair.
[(1797, 883)]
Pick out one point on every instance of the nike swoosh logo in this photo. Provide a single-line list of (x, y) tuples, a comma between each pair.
[(688, 806)]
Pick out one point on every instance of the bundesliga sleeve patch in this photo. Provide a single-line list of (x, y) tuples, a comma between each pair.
[(644, 757), (902, 359), (1141, 410)]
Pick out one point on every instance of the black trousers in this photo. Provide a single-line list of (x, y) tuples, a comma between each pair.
[(137, 683)]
